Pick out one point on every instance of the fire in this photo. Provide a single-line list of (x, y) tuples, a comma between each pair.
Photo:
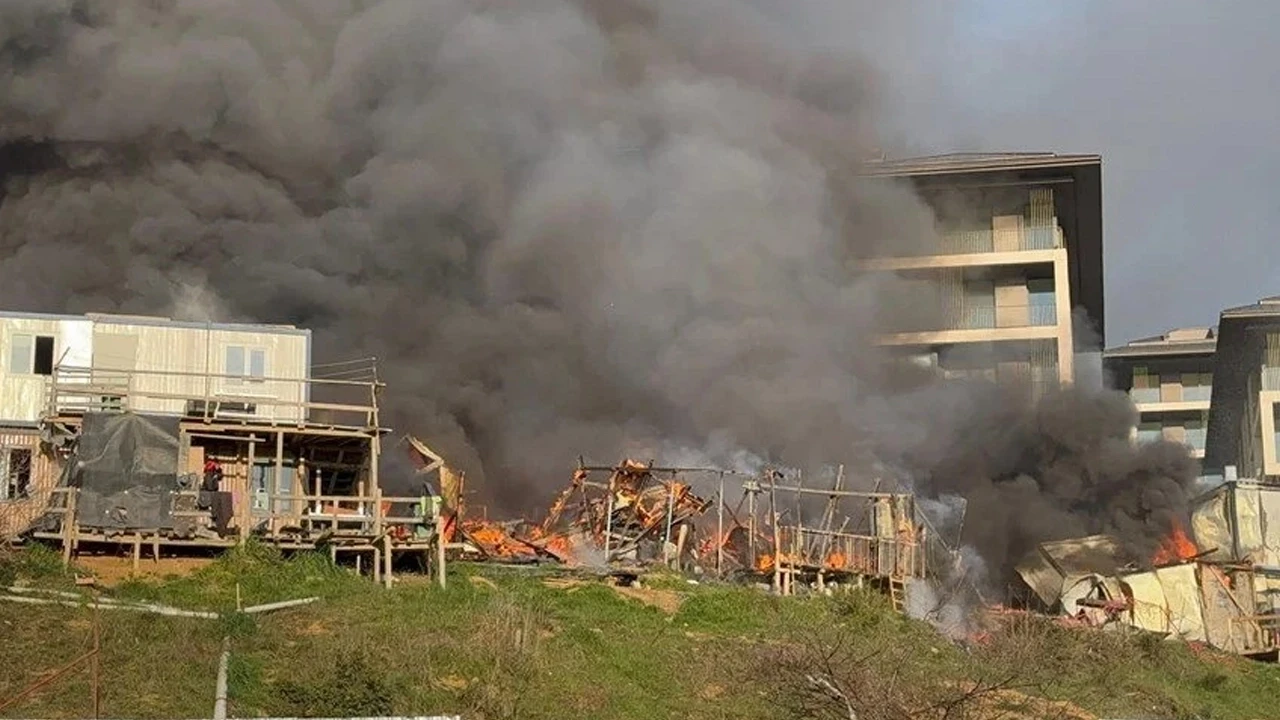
[(766, 561), (1176, 547)]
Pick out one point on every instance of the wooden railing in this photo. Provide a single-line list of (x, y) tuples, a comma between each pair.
[(211, 397)]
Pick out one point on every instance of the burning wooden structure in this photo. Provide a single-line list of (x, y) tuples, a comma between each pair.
[(820, 535), (635, 513)]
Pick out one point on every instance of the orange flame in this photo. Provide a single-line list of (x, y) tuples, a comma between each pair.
[(1176, 547)]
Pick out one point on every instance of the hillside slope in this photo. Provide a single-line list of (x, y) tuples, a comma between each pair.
[(520, 643)]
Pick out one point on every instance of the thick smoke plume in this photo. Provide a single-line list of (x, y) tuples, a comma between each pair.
[(564, 227)]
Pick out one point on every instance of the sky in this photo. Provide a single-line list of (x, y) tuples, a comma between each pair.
[(1177, 96)]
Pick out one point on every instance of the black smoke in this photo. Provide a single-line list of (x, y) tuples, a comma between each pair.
[(564, 227)]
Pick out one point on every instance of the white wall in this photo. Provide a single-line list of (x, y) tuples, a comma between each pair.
[(200, 352), (22, 395)]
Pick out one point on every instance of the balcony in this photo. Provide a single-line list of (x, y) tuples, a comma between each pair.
[(211, 397), (1270, 378), (966, 242)]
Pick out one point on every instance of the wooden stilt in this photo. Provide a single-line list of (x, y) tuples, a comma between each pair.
[(137, 553), (386, 561), (440, 543)]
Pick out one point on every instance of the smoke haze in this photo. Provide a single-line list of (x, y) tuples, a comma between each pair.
[(564, 227)]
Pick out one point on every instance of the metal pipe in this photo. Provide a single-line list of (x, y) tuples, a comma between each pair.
[(220, 699), (268, 607)]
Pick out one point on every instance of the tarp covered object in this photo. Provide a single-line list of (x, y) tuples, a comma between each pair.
[(126, 466)]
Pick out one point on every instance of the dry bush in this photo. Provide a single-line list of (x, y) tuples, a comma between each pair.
[(508, 639), (830, 675)]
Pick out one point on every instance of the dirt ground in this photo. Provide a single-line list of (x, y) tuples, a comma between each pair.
[(110, 570)]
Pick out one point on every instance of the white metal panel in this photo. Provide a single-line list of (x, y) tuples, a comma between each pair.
[(1249, 523), (75, 343), (193, 357), (1210, 526), (1182, 594), (22, 396), (1269, 501), (1150, 610)]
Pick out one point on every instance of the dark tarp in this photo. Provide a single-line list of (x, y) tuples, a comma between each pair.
[(126, 466)]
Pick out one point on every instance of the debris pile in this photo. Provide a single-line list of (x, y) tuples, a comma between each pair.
[(1207, 586)]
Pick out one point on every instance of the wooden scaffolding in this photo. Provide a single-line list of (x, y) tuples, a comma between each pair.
[(296, 462)]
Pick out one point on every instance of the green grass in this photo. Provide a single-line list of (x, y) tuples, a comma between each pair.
[(500, 643)]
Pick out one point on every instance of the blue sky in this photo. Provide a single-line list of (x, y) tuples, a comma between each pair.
[(1176, 95)]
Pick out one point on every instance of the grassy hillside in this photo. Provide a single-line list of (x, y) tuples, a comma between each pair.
[(508, 643)]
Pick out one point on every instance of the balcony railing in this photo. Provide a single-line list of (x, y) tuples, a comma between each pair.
[(1144, 395), (1196, 437), (1041, 315), (1270, 378), (1197, 393), (982, 240), (73, 391)]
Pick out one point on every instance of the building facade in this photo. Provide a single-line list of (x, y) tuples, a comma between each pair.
[(1244, 412), (1169, 377), (1010, 273)]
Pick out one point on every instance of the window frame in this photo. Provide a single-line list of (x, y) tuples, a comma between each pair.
[(248, 353), (32, 353), (14, 489)]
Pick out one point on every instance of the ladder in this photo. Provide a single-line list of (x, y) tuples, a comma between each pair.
[(898, 593)]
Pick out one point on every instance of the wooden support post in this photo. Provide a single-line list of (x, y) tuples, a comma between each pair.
[(279, 481), (386, 561), (777, 539), (137, 552), (751, 525), (720, 531), (69, 524), (96, 669), (681, 537), (377, 565), (248, 494), (440, 543), (375, 484), (608, 521), (155, 547)]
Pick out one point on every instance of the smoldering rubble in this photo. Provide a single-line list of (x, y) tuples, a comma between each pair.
[(563, 226)]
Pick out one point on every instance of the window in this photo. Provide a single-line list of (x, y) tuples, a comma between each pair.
[(1149, 432), (31, 355), (247, 363), (1146, 386), (1043, 302), (15, 469)]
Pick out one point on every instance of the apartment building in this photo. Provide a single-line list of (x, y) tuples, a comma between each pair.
[(1014, 264), (1169, 377), (1244, 412)]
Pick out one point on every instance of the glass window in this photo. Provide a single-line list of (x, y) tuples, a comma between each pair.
[(235, 361), (258, 363), (1195, 436), (1150, 432), (15, 473), (21, 354)]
